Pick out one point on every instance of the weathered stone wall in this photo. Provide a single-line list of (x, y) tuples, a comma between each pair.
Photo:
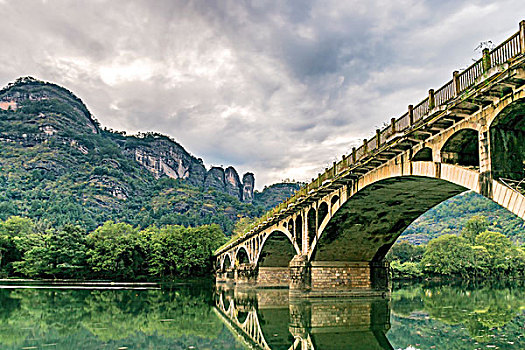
[(273, 276), (340, 275)]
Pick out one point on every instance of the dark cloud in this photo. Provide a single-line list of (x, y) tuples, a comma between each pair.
[(278, 88)]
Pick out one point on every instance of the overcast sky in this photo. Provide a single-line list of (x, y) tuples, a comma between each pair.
[(278, 88)]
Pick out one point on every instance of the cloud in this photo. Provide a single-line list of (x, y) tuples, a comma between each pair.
[(278, 88)]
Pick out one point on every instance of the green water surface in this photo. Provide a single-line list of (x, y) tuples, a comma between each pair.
[(187, 316)]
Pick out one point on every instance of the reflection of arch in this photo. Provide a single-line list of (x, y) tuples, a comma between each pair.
[(242, 256), (299, 230), (242, 316), (322, 212), (368, 223), (462, 148), (507, 141), (277, 250), (312, 225), (423, 155)]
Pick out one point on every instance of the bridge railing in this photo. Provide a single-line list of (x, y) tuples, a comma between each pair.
[(461, 82)]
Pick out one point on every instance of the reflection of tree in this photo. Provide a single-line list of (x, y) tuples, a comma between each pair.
[(478, 308), (106, 315)]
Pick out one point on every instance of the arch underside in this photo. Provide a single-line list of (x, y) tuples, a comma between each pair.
[(277, 251), (367, 225)]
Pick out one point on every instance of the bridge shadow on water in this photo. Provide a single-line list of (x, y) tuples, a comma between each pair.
[(269, 319)]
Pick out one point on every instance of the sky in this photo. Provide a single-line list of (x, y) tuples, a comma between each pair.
[(278, 88)]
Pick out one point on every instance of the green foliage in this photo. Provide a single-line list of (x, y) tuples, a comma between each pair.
[(492, 255), (451, 216), (406, 269), (474, 226), (53, 253), (115, 251), (180, 251)]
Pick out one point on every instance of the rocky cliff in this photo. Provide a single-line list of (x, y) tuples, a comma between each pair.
[(58, 164)]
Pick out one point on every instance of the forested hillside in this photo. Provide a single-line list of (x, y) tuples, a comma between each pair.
[(451, 216)]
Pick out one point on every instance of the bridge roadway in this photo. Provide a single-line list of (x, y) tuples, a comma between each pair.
[(332, 236)]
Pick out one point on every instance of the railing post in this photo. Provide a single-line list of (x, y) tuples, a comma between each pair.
[(411, 114), (455, 82), (378, 135), (522, 36), (393, 123), (486, 60), (365, 146), (335, 169), (431, 99), (354, 156)]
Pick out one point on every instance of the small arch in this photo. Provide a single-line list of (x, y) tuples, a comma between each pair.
[(227, 262), (242, 316), (507, 146), (334, 200), (242, 256), (312, 225), (462, 149), (423, 155), (299, 230), (322, 212)]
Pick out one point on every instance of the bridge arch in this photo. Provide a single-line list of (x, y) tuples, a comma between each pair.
[(369, 222), (322, 213), (242, 256), (462, 148), (299, 230), (507, 140), (227, 262), (423, 155), (277, 250)]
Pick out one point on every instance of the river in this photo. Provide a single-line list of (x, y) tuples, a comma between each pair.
[(423, 315)]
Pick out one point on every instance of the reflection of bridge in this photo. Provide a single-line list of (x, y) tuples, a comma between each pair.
[(332, 236), (267, 320)]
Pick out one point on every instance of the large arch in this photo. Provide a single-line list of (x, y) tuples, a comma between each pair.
[(507, 141), (276, 251), (368, 223)]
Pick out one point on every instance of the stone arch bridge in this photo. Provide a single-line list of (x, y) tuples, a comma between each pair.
[(332, 236)]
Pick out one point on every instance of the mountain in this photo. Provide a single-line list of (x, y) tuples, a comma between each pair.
[(58, 164)]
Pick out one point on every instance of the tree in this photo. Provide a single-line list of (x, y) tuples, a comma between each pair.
[(117, 251), (54, 253), (474, 226), (450, 255)]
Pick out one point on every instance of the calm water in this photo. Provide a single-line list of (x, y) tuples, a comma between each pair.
[(196, 316)]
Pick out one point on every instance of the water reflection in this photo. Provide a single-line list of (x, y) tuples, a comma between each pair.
[(195, 315), (267, 319), (174, 317), (458, 315)]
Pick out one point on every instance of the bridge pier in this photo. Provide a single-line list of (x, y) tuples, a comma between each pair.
[(273, 277), (339, 278)]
